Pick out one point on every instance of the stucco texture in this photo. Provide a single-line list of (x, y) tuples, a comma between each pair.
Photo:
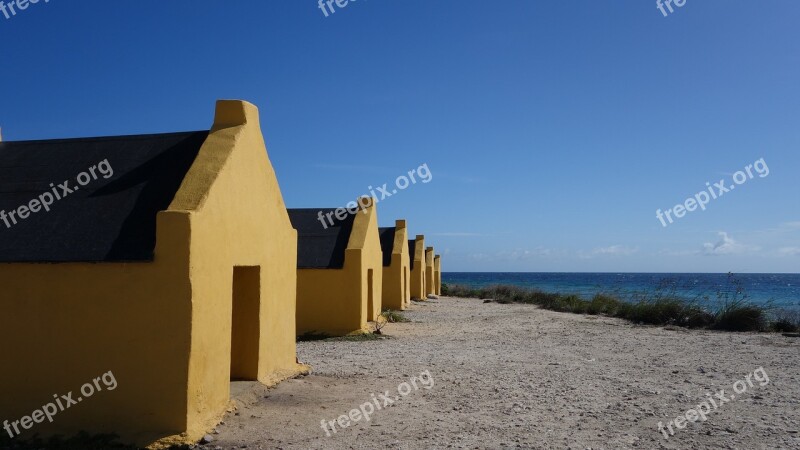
[(397, 276), (437, 274), (338, 302), (418, 271), (164, 328), (430, 281)]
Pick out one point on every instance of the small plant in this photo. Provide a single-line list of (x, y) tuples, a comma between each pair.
[(378, 325), (736, 313), (394, 316), (785, 321), (741, 318)]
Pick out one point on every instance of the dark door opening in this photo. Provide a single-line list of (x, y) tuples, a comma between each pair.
[(405, 286), (245, 330), (370, 298)]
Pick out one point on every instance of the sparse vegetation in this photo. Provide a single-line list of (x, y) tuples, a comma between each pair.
[(378, 324), (356, 337), (394, 316), (729, 310), (386, 317), (312, 336), (784, 321), (359, 337), (741, 318)]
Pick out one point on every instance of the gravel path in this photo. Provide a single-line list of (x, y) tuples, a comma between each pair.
[(515, 376)]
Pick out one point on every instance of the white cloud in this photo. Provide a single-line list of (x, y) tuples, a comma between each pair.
[(479, 257), (517, 254), (614, 250), (789, 251), (726, 245)]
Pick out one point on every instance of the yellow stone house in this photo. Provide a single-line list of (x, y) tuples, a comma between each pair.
[(416, 253), (339, 268), (396, 266), (437, 273), (430, 280), (164, 262)]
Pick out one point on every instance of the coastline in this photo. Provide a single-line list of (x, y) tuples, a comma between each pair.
[(779, 289), (732, 311)]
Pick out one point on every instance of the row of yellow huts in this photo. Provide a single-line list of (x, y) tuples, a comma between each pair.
[(172, 261)]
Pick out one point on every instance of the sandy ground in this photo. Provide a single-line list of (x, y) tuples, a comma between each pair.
[(515, 376)]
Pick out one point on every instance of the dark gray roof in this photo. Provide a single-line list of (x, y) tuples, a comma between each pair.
[(319, 247), (387, 244), (108, 219)]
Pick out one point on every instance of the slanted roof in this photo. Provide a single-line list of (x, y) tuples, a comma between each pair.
[(387, 244), (108, 219), (319, 247)]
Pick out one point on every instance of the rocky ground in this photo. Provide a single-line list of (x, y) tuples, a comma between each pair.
[(515, 376)]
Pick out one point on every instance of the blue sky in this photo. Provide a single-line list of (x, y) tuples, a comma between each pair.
[(554, 130)]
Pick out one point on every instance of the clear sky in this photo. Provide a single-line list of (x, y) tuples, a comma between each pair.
[(553, 130)]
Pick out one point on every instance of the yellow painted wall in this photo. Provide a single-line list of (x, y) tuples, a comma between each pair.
[(397, 276), (336, 301), (239, 219), (63, 325), (418, 272), (163, 327), (437, 273), (430, 283)]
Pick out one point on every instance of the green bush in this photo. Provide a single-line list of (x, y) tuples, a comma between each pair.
[(667, 311), (784, 326), (741, 318), (603, 304), (784, 321)]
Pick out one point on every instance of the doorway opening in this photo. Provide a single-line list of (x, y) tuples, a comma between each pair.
[(370, 298), (245, 323), (406, 298)]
